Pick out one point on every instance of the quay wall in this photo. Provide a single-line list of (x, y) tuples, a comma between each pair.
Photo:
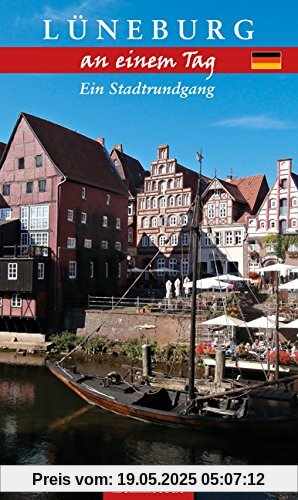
[(126, 326)]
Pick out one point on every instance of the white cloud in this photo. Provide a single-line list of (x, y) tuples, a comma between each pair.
[(85, 7), (255, 122)]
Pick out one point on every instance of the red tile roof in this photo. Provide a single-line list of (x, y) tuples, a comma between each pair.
[(76, 156), (250, 188)]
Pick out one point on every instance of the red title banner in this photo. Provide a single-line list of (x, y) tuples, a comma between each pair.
[(148, 60)]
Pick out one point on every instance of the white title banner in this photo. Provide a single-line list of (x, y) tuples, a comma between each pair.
[(200, 478)]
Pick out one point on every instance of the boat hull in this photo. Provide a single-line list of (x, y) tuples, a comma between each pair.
[(106, 398)]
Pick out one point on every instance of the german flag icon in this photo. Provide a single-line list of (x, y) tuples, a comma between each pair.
[(266, 60)]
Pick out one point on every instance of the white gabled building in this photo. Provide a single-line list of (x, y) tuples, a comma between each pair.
[(278, 214)]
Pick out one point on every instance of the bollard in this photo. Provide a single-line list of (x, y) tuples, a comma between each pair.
[(220, 360), (146, 350)]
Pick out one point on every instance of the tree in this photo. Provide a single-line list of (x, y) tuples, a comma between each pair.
[(280, 243)]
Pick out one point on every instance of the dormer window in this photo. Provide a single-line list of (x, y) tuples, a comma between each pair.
[(283, 183)]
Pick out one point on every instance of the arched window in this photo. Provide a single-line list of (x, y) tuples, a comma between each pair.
[(152, 241), (294, 202), (183, 220), (163, 168), (143, 204), (154, 186), (162, 240), (172, 201), (145, 240), (174, 240), (171, 184), (283, 226), (163, 187), (179, 200), (146, 222), (184, 266), (185, 239), (173, 220), (283, 206), (154, 202), (161, 221), (162, 203), (262, 224), (154, 222), (148, 204), (272, 223), (173, 266), (294, 223), (187, 200)]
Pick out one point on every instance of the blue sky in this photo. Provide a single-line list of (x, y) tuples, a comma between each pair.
[(249, 124)]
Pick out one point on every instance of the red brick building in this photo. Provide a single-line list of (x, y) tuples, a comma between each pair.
[(69, 204)]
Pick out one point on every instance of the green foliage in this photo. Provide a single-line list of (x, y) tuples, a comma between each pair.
[(280, 243), (65, 341)]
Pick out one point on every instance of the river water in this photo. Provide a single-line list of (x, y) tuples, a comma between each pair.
[(43, 422)]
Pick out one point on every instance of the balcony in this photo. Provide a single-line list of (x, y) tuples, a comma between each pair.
[(24, 252)]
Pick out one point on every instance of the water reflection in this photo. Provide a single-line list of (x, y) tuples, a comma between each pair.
[(42, 422)]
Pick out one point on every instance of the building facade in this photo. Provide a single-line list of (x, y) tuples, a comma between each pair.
[(226, 206), (133, 174), (64, 193), (278, 214), (164, 216)]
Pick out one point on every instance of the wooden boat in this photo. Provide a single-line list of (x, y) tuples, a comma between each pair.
[(261, 408)]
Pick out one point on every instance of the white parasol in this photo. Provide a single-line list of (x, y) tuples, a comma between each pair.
[(224, 320)]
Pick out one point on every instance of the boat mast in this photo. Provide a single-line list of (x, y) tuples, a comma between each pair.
[(195, 238)]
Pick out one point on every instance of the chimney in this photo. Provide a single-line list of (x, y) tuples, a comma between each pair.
[(101, 140), (119, 148), (229, 178)]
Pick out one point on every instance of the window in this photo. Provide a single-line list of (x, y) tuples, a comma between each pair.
[(161, 221), (108, 200), (184, 266), (40, 271), (187, 200), (294, 223), (283, 226), (185, 239), (104, 245), (130, 234), (152, 241), (162, 240), (84, 193), (211, 210), (83, 218), (70, 215), (24, 241), (217, 193), (172, 201), (21, 163), (173, 220), (283, 183), (163, 187), (119, 270), (173, 267), (16, 300), (154, 202), (146, 222), (5, 213), (38, 160), (272, 203), (6, 190), (118, 223), (91, 268), (71, 242), (104, 221), (283, 206), (1, 302), (24, 216), (145, 240), (39, 217), (160, 267), (154, 221), (238, 238), (262, 224), (174, 239), (229, 238), (272, 223), (72, 272), (218, 238), (106, 269), (142, 204), (179, 200), (207, 240), (87, 243), (183, 220), (148, 204), (39, 239), (223, 208), (294, 202), (118, 246), (29, 187), (130, 209), (12, 269), (162, 203), (42, 186)]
